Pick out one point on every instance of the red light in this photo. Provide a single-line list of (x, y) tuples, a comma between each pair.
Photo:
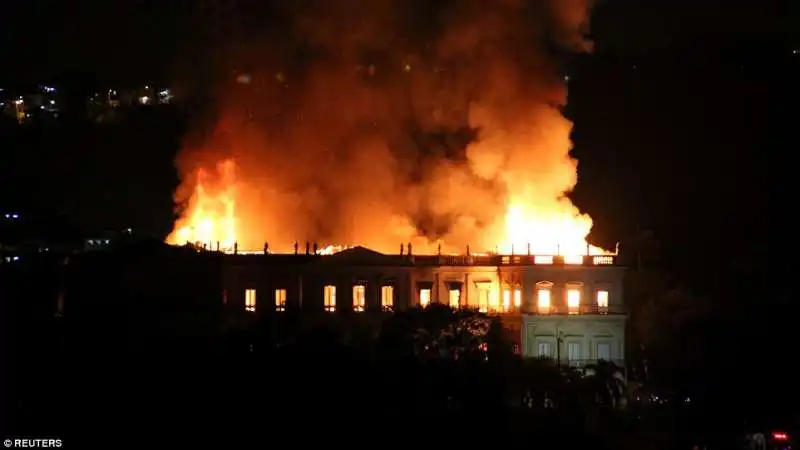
[(778, 436)]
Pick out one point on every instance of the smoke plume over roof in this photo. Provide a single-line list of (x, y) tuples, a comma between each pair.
[(386, 121)]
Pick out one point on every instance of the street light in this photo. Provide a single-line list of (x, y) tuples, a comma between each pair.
[(559, 341)]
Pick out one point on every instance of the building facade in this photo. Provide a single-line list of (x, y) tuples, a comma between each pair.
[(568, 309)]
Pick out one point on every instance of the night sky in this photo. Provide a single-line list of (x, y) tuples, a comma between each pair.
[(119, 40), (677, 112)]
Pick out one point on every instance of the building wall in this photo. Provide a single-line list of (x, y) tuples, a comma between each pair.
[(466, 279), (588, 331), (470, 279), (305, 285), (589, 328), (563, 328), (345, 278)]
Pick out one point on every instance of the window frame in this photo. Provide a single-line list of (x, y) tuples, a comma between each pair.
[(359, 288), (250, 299), (329, 297), (280, 299)]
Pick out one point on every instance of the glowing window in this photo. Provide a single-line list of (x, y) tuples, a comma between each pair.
[(359, 297), (424, 297), (455, 298), (483, 300), (543, 299), (330, 298), (250, 300), (387, 297), (280, 299), (506, 300), (602, 300), (517, 298), (494, 300), (573, 300)]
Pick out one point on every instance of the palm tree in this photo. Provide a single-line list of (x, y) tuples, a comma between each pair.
[(605, 383)]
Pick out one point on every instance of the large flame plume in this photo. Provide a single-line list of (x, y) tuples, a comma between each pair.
[(384, 122)]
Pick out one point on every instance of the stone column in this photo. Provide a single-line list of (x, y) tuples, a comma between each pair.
[(373, 302), (465, 291)]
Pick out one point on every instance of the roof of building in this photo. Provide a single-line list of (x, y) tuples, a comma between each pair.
[(362, 256)]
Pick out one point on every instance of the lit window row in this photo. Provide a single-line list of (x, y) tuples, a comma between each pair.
[(250, 300), (567, 259), (329, 296), (453, 298), (359, 297), (488, 300), (573, 297), (574, 351)]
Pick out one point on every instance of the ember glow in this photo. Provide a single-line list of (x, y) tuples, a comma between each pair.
[(446, 133)]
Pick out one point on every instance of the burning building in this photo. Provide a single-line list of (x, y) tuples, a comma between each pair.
[(362, 124), (567, 308)]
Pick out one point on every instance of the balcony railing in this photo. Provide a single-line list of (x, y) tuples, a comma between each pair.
[(583, 362), (560, 310), (515, 260), (244, 256), (581, 310)]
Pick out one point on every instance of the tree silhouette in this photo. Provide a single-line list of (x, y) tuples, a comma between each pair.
[(605, 383)]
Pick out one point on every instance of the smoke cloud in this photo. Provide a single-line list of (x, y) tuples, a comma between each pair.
[(386, 121)]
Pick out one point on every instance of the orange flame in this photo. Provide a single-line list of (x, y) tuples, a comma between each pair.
[(546, 232), (210, 218)]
